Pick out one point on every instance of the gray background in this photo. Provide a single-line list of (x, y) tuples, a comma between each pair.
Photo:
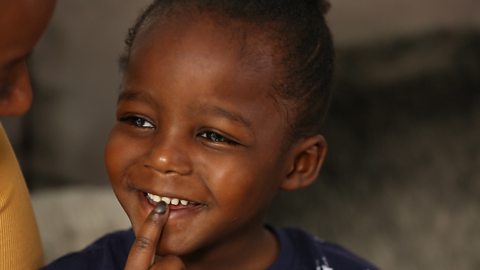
[(401, 182)]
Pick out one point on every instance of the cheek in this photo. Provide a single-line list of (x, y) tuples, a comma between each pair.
[(245, 184), (113, 155), (118, 159), (120, 153)]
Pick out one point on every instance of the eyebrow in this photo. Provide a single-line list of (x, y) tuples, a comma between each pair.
[(220, 112), (132, 95)]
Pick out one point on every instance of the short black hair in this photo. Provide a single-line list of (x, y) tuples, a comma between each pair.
[(304, 36)]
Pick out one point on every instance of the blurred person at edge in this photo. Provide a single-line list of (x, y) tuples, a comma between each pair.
[(22, 22)]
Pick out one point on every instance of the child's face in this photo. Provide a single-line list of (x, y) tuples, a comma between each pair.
[(197, 122)]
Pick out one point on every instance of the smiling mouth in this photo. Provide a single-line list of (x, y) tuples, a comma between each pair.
[(173, 202)]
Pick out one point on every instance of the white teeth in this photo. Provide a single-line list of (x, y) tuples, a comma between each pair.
[(174, 201), (154, 198)]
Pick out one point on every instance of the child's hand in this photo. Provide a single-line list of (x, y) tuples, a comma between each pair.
[(142, 253)]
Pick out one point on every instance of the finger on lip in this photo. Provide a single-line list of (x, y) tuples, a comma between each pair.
[(143, 249), (157, 216), (161, 208)]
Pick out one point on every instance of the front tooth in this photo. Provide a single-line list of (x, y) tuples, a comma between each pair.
[(174, 201), (166, 200), (184, 202), (153, 197)]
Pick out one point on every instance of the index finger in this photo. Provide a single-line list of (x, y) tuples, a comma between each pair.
[(143, 249)]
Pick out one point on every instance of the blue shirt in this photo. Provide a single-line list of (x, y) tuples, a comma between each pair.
[(298, 251), (301, 251)]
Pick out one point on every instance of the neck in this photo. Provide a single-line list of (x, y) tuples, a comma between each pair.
[(254, 248)]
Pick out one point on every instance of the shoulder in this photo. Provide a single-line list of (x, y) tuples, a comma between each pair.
[(19, 238), (325, 255), (107, 252), (341, 258)]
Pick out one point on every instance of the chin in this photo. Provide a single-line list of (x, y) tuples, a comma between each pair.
[(177, 247)]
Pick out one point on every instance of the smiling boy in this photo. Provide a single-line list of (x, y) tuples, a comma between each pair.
[(220, 107)]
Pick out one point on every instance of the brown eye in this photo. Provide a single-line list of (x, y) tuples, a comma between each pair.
[(216, 137), (136, 121)]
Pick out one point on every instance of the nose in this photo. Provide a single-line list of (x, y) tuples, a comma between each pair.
[(16, 92), (169, 156)]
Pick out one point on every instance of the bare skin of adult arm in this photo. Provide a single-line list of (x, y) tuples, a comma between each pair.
[(142, 253)]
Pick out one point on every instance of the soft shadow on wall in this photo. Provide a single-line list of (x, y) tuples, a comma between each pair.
[(400, 183)]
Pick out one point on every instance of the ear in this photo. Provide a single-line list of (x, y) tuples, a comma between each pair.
[(306, 160)]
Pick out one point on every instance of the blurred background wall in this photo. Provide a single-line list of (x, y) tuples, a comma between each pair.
[(401, 182)]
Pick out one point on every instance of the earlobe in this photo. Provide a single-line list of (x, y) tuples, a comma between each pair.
[(307, 159)]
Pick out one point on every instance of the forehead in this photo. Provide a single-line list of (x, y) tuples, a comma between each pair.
[(190, 41), (241, 44)]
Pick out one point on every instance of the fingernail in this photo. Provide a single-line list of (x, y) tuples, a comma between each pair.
[(161, 208)]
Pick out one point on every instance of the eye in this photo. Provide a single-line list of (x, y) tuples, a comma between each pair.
[(136, 121), (216, 137)]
